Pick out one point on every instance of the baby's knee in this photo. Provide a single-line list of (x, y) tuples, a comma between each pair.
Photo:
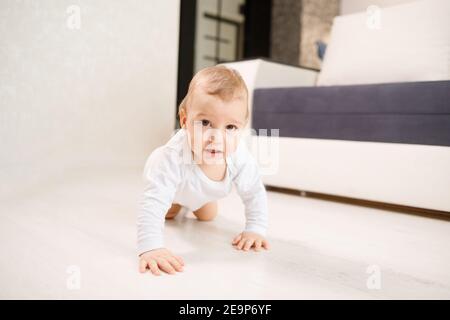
[(173, 211), (207, 213), (207, 217), (171, 215)]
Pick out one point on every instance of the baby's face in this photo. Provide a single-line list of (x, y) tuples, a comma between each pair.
[(214, 126)]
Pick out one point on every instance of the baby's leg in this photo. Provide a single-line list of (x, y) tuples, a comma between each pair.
[(173, 211), (207, 212)]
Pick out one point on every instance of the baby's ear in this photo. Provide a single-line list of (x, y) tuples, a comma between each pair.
[(182, 117)]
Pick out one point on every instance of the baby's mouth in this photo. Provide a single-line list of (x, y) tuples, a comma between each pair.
[(214, 152)]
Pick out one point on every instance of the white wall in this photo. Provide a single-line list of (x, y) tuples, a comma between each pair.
[(101, 96), (353, 6)]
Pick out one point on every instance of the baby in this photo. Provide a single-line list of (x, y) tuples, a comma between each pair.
[(199, 165)]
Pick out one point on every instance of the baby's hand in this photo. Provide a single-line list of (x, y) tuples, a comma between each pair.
[(246, 240), (161, 258)]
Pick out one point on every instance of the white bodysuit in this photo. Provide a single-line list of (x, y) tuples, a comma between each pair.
[(172, 176)]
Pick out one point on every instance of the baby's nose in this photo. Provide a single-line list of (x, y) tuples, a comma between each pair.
[(214, 137)]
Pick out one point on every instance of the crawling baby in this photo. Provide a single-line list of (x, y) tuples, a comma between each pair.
[(199, 165)]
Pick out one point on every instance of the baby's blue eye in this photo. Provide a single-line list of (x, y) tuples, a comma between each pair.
[(205, 123)]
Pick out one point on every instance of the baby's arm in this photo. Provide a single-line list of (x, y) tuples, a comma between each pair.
[(253, 194), (161, 175)]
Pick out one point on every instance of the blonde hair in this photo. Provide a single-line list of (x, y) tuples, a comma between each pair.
[(218, 80)]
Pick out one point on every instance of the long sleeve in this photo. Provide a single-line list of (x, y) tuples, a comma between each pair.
[(162, 175), (252, 191)]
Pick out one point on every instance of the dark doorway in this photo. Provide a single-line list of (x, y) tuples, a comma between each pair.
[(185, 49), (258, 17)]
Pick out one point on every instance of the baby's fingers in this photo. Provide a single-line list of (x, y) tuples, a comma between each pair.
[(165, 266), (142, 266), (265, 244), (258, 244), (241, 244), (248, 244), (154, 268), (180, 260), (175, 264), (237, 238)]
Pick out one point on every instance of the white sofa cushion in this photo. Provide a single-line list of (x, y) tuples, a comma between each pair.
[(412, 43)]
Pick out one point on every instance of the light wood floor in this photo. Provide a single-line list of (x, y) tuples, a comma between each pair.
[(320, 249)]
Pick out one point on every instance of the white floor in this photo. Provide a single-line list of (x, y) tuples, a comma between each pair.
[(319, 249)]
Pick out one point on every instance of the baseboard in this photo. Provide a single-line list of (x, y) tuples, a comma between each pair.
[(429, 213)]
